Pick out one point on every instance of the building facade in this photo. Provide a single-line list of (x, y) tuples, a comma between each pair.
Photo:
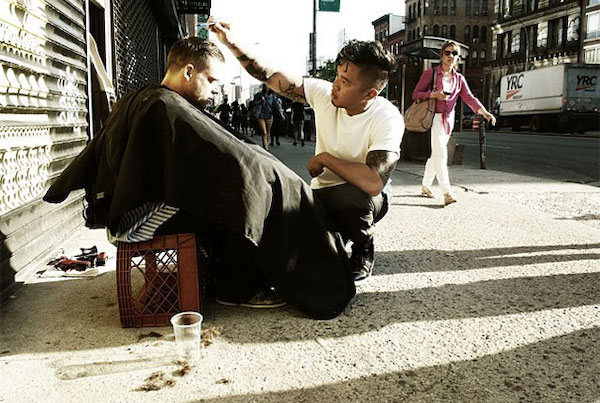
[(62, 63), (389, 30), (531, 34), (591, 37)]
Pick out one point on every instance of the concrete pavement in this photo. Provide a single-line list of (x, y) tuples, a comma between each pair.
[(495, 298)]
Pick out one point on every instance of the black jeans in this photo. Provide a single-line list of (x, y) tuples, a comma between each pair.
[(353, 212), (233, 257)]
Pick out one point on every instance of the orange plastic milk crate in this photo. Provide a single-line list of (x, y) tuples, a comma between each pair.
[(157, 279)]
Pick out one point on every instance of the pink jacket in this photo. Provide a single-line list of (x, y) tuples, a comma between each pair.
[(459, 87)]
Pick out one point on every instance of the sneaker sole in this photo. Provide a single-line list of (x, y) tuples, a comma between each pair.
[(362, 280), (247, 305)]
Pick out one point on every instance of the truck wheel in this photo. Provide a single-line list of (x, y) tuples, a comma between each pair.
[(535, 125)]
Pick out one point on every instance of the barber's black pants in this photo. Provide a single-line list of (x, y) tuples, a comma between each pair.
[(235, 270), (353, 212)]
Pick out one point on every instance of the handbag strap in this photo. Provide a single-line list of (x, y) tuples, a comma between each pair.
[(431, 101)]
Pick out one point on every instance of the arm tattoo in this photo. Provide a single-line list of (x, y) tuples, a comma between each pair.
[(290, 91), (254, 68), (383, 162)]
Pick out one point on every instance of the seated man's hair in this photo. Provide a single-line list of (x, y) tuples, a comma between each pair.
[(374, 61), (193, 50)]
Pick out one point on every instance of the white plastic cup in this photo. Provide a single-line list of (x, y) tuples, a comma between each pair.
[(187, 327)]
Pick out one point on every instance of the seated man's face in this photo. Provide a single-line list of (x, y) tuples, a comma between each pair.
[(203, 86)]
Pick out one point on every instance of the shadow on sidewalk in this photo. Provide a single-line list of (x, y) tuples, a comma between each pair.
[(559, 369), (83, 314)]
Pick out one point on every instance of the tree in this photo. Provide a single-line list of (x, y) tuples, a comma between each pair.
[(328, 70)]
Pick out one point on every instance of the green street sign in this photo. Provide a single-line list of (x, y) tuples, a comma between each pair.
[(329, 5)]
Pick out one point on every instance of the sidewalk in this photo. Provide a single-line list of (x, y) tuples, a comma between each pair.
[(495, 298)]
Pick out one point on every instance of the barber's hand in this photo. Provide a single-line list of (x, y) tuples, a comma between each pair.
[(221, 28), (316, 165)]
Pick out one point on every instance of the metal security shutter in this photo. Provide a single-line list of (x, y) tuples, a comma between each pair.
[(136, 46), (43, 124)]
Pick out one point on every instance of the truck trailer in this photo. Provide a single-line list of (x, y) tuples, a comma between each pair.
[(563, 98)]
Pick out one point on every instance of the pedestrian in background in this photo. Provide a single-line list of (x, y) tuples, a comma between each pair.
[(223, 110), (267, 106), (278, 123), (236, 116), (450, 84), (244, 119), (252, 112), (298, 119)]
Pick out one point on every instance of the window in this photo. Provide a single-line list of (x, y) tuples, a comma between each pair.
[(436, 7), (418, 32), (444, 7), (515, 43), (475, 7), (467, 34), (419, 9), (473, 60), (542, 35), (475, 33), (425, 29), (444, 31), (593, 25), (467, 7), (409, 36), (592, 2), (482, 55), (484, 7), (592, 55), (506, 44), (531, 5), (452, 7), (436, 30), (501, 44), (453, 31), (556, 32), (483, 34), (524, 38), (573, 29)]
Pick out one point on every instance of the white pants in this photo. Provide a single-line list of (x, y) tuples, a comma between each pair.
[(437, 164)]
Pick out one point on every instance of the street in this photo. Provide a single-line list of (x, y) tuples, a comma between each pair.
[(564, 158)]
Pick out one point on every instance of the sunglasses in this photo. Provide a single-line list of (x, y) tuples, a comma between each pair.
[(448, 53)]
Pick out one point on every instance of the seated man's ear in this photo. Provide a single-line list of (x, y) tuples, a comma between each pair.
[(188, 71)]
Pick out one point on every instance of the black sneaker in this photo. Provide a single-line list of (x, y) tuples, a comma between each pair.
[(263, 299), (362, 261)]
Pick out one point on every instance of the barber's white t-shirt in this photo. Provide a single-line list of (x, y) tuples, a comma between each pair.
[(350, 138)]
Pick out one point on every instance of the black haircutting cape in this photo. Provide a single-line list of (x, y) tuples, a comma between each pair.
[(156, 146)]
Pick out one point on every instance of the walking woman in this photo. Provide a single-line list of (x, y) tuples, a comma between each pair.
[(450, 84), (267, 107)]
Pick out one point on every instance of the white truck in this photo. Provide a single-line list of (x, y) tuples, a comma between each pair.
[(563, 98)]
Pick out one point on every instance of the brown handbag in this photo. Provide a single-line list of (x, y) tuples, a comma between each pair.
[(419, 116)]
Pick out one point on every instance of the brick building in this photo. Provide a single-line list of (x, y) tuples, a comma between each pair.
[(389, 30)]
